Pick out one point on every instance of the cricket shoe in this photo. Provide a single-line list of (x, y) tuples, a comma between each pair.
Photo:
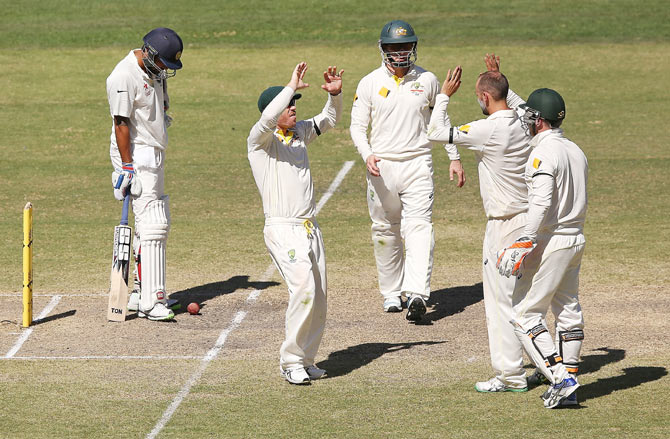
[(495, 385), (570, 401), (134, 302), (392, 304), (416, 308), (556, 393), (537, 378), (158, 312), (297, 375), (315, 372)]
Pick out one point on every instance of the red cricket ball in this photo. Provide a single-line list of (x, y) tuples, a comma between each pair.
[(193, 308)]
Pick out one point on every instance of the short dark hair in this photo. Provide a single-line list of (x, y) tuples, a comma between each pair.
[(494, 83)]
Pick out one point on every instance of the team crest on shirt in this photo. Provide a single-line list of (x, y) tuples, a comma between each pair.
[(291, 256), (417, 89), (147, 91)]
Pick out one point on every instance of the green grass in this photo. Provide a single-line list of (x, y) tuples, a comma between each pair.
[(607, 58)]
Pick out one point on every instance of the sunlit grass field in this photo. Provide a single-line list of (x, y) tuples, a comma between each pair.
[(389, 379)]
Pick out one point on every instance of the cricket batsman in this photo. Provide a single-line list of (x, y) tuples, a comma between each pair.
[(277, 152), (138, 104)]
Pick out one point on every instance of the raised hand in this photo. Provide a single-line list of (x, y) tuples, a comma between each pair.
[(296, 82), (333, 80), (453, 81), (492, 62)]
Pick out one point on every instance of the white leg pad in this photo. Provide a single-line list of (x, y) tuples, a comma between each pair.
[(539, 346), (153, 226), (569, 345)]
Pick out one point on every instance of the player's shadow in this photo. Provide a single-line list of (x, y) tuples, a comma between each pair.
[(347, 360), (631, 377), (449, 301), (203, 293), (593, 363)]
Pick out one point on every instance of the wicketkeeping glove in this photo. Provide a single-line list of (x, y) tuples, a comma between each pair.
[(124, 178), (510, 258)]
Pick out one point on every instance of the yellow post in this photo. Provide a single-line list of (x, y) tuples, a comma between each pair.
[(27, 265)]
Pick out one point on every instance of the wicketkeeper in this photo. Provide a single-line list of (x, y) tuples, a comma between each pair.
[(548, 254)]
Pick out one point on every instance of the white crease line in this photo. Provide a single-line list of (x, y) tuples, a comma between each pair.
[(185, 390), (112, 357), (334, 185), (183, 393), (45, 312)]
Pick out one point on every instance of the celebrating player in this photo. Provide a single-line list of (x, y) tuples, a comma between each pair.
[(138, 101), (501, 146), (396, 99), (549, 252), (277, 151)]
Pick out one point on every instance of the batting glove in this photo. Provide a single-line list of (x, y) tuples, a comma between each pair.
[(510, 258), (123, 179)]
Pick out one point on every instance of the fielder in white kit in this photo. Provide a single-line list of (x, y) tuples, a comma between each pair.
[(277, 152), (138, 101), (549, 252), (396, 100), (501, 146)]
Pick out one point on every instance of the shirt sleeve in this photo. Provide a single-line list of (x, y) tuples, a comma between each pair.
[(513, 99), (539, 201), (312, 128), (121, 95), (360, 119), (267, 124)]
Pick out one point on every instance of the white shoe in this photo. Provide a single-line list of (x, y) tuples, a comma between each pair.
[(392, 304), (158, 312), (314, 372), (297, 375), (495, 385), (134, 300), (556, 393)]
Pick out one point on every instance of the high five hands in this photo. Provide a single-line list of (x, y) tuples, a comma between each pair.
[(296, 82), (333, 80), (452, 82)]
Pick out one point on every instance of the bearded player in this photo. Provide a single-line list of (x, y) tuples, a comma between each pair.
[(138, 102)]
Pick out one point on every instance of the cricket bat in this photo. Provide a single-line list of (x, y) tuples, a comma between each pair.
[(118, 291)]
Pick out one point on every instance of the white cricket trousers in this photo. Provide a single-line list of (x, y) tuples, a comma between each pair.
[(296, 247), (400, 202), (499, 295), (552, 270)]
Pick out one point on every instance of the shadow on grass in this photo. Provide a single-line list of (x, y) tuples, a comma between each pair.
[(593, 363), (203, 293), (55, 317), (632, 377), (347, 360), (449, 301)]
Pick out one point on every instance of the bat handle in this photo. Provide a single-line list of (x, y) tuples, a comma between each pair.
[(124, 213)]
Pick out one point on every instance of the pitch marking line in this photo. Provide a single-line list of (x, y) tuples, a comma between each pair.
[(239, 317), (45, 312)]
